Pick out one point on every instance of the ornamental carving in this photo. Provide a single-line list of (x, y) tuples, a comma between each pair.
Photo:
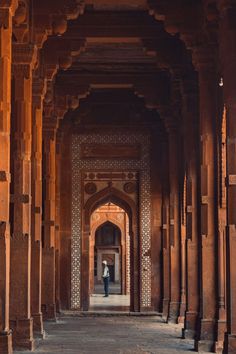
[(90, 188), (134, 170), (110, 151), (129, 187)]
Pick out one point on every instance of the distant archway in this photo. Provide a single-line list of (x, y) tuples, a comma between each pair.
[(107, 246), (112, 195)]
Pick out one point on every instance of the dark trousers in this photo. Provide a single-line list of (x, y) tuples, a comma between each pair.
[(106, 285)]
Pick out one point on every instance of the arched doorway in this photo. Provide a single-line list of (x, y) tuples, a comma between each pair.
[(110, 241), (108, 247), (116, 197)]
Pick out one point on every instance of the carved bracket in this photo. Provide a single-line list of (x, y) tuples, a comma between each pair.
[(21, 198), (5, 176)]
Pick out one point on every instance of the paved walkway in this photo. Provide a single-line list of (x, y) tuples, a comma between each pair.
[(113, 288), (113, 335), (113, 302)]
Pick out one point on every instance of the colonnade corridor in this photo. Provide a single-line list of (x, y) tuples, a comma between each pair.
[(118, 145), (113, 335)]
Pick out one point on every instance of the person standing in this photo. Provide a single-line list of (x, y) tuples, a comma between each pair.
[(106, 277)]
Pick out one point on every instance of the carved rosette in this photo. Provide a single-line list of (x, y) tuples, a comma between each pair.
[(129, 187), (90, 188)]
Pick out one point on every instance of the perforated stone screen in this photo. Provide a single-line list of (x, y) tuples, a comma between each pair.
[(141, 165)]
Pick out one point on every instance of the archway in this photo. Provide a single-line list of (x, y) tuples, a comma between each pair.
[(110, 241), (108, 247), (116, 197)]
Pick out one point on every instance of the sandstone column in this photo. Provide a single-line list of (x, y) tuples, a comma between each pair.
[(36, 210), (65, 222), (57, 218), (156, 192), (208, 86), (174, 224), (165, 230), (228, 58), (191, 136), (221, 308), (49, 190), (24, 56), (192, 256), (6, 11)]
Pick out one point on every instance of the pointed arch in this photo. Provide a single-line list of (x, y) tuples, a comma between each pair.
[(106, 195), (113, 195)]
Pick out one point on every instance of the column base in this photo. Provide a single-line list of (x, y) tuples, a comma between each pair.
[(22, 334), (218, 348), (165, 309), (6, 342), (204, 346), (174, 312), (206, 338), (49, 312), (230, 343), (190, 325), (221, 329), (58, 306), (188, 333), (182, 310), (38, 325)]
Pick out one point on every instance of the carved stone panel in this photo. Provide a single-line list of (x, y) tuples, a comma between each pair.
[(126, 166)]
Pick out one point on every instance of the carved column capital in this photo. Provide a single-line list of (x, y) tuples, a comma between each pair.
[(39, 87), (24, 57), (50, 125)]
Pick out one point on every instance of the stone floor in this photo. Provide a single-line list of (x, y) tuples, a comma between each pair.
[(113, 335), (113, 288), (112, 303)]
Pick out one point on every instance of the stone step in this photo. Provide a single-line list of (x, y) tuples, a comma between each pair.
[(106, 313)]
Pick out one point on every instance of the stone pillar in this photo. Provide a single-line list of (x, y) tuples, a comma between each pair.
[(182, 218), (182, 308), (57, 216), (156, 196), (165, 230), (208, 86), (49, 190), (85, 296), (221, 308), (174, 226), (6, 11), (191, 137), (65, 222), (192, 253), (20, 314), (228, 58), (36, 210)]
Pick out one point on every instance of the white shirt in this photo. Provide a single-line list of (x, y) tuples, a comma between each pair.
[(106, 272)]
